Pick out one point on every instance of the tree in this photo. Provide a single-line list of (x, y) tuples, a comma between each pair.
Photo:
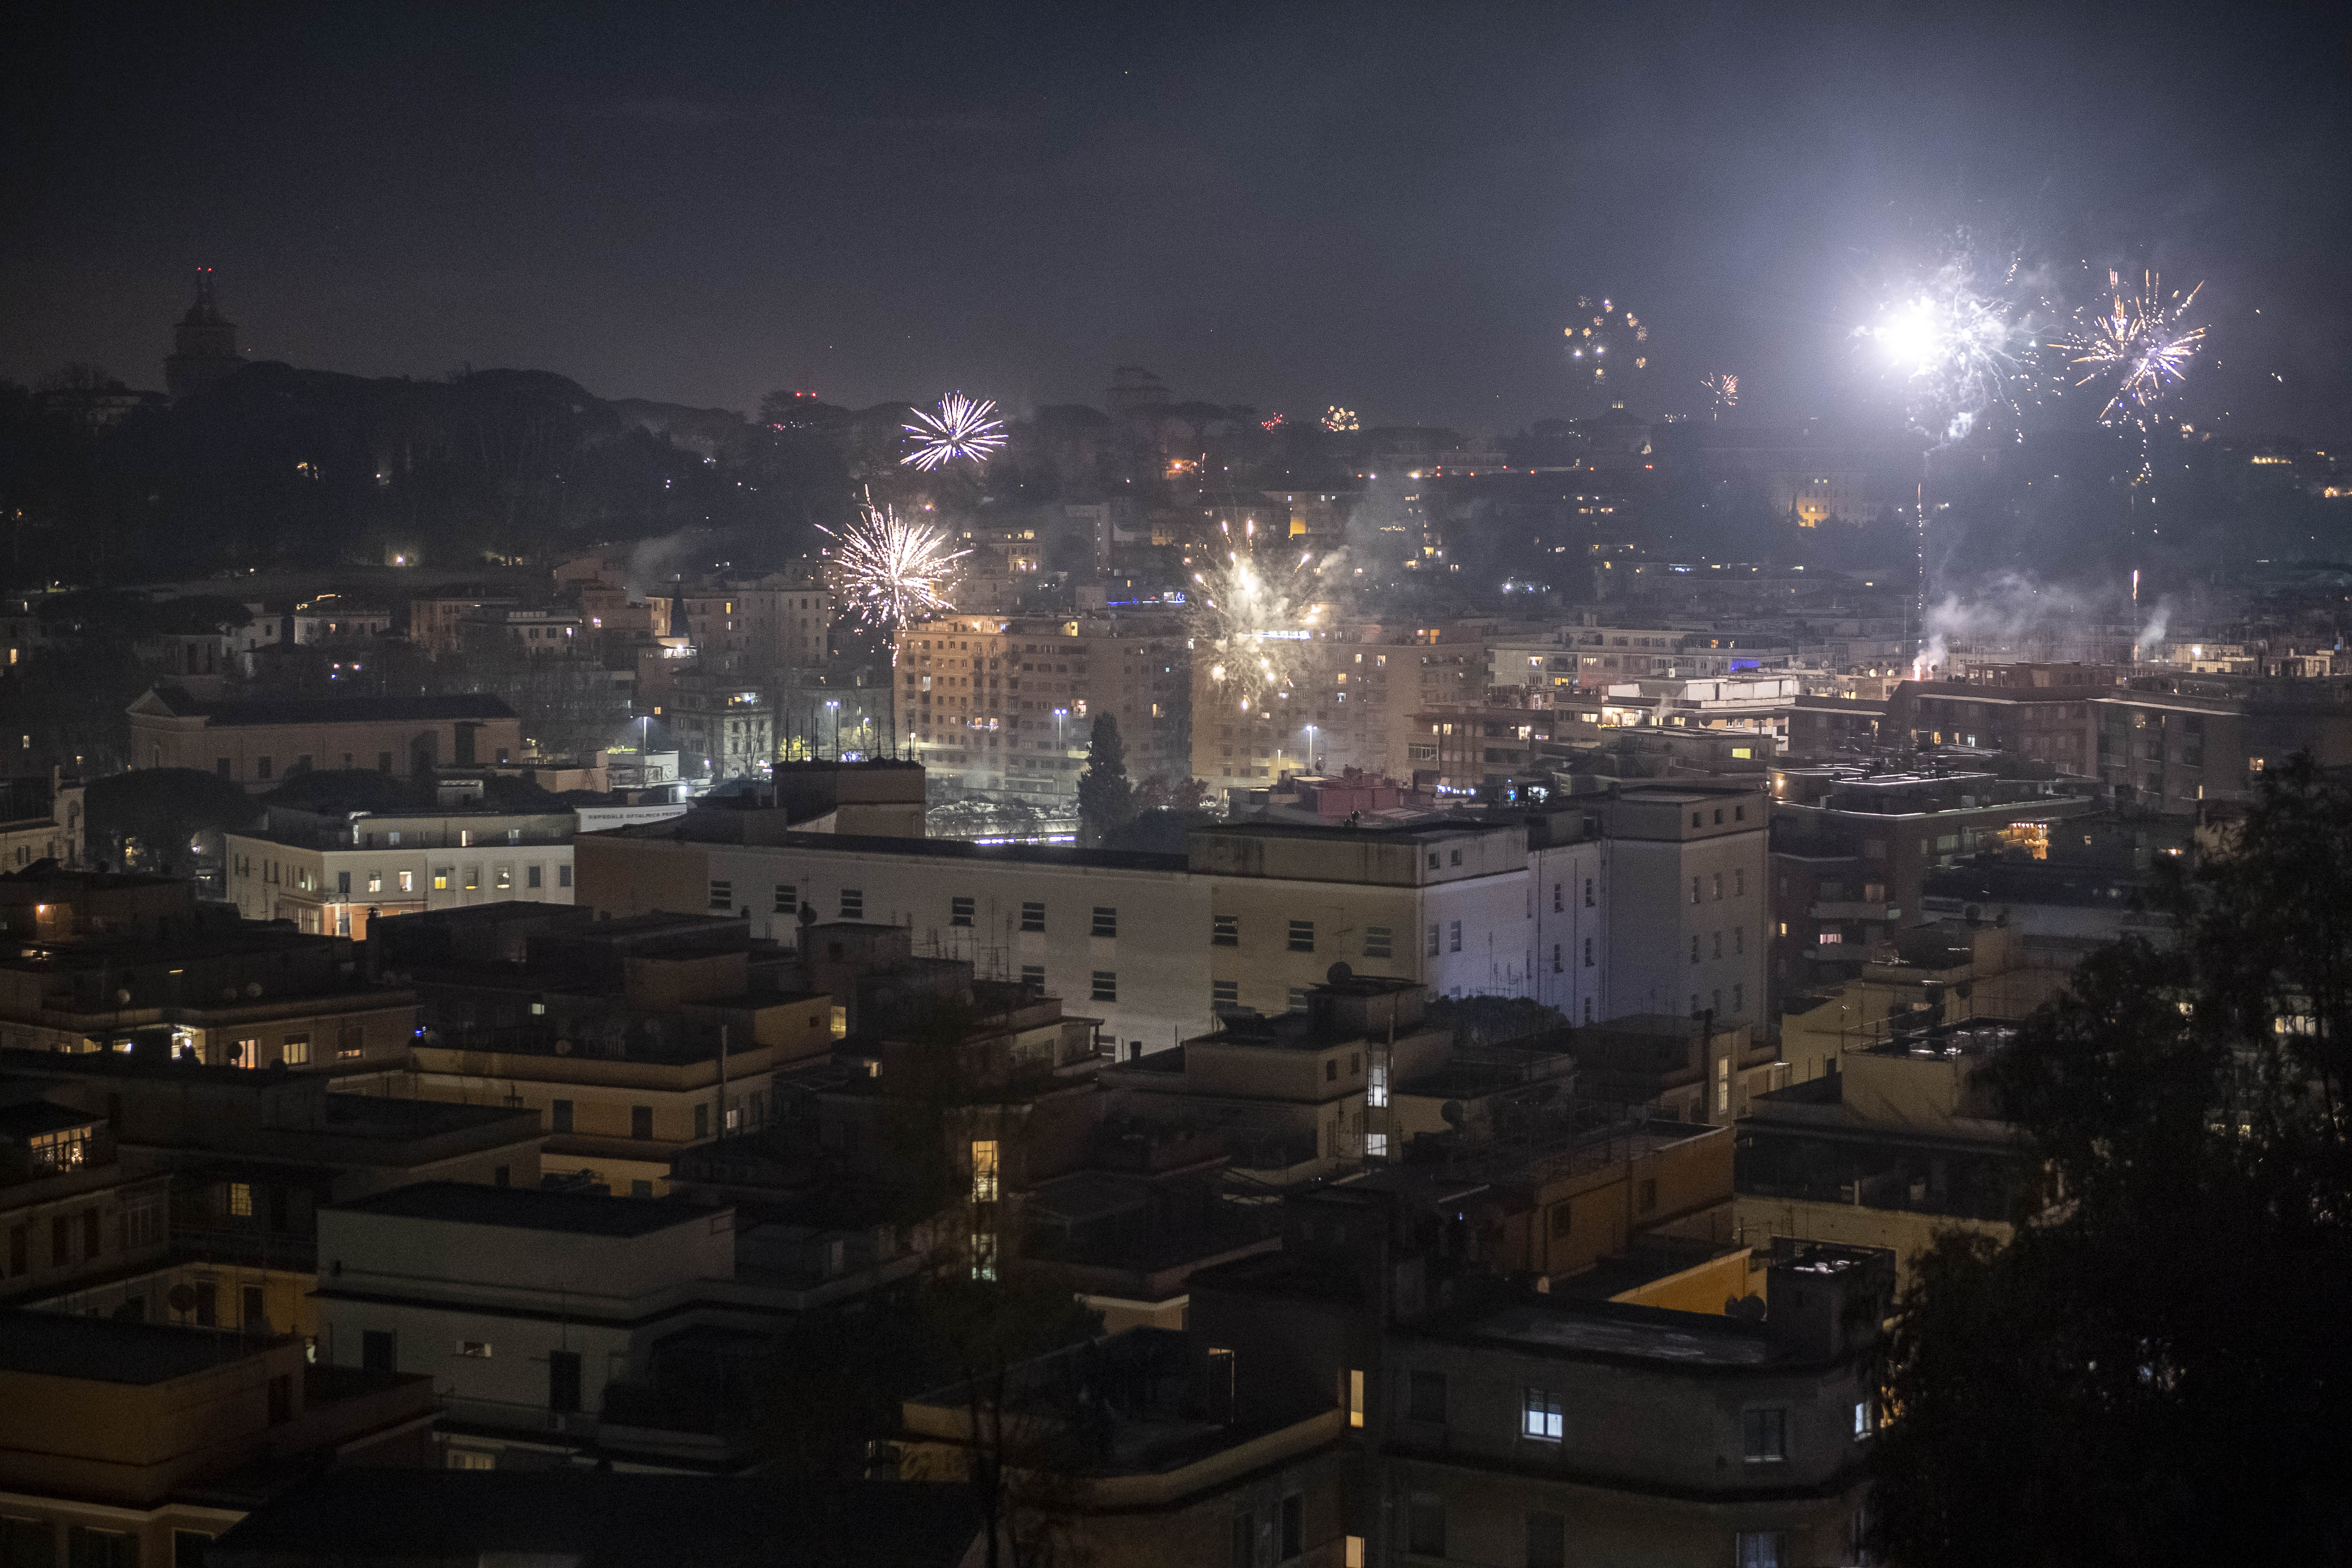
[(2152, 1371), (1106, 800), (146, 819)]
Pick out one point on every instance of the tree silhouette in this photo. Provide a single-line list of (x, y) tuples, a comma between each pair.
[(1105, 799)]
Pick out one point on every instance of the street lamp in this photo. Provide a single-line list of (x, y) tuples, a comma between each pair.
[(1061, 743), (833, 707), (1310, 748)]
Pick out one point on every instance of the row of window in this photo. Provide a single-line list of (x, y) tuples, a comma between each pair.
[(1763, 1430), (1738, 887), (1738, 944)]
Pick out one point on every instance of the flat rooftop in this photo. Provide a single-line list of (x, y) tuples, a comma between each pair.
[(529, 1209), (1615, 1332), (101, 1349)]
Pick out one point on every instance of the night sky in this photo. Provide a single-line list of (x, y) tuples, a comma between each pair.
[(1389, 207)]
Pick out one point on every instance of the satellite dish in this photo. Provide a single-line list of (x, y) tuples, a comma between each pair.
[(1453, 1111), (1339, 974), (182, 1297), (253, 988), (563, 1048), (122, 996)]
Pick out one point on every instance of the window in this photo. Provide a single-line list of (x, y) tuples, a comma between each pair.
[(503, 876), (1722, 1085), (1738, 998), (1224, 991), (262, 768), (641, 1122), (853, 904), (1302, 936), (788, 899), (564, 1382), (701, 1122), (1352, 1553), (1719, 945), (1587, 953), (722, 896), (1034, 974), (1556, 966), (1540, 1415), (1695, 890), (1033, 917), (1862, 1424), (1453, 857), (378, 1351), (1547, 1541), (473, 879), (296, 1052), (1105, 985), (1355, 1395), (1587, 892), (207, 1304), (1376, 1088), (1106, 921), (1694, 953), (960, 911), (1739, 884), (983, 1171), (1224, 930), (240, 1199), (1425, 1526), (1760, 1549), (560, 1116), (1454, 937), (531, 876), (91, 1232), (1764, 1437), (1563, 1218), (1426, 1396), (1377, 941), (564, 876), (1558, 893), (1433, 941), (1738, 940), (408, 881), (441, 875), (983, 1255)]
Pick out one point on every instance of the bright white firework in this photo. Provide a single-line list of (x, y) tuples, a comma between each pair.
[(2135, 337), (1606, 337), (1959, 345), (890, 572), (1724, 388), (1338, 420), (962, 429), (1252, 620)]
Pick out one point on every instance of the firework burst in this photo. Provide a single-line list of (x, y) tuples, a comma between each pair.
[(1723, 388), (962, 429), (1337, 419), (1607, 339), (2137, 338), (889, 572), (1960, 344), (1252, 618)]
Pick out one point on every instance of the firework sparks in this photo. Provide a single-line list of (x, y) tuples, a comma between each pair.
[(1337, 419), (962, 429), (2136, 337), (890, 572), (1607, 337), (1271, 425), (1956, 343), (1724, 388), (1253, 619)]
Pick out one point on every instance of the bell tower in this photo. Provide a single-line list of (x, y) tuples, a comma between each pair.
[(204, 345)]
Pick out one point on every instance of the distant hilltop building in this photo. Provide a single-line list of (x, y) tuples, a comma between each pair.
[(204, 344)]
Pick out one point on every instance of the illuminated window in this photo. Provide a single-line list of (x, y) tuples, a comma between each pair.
[(441, 875), (1355, 1396), (983, 1171), (1540, 1415), (298, 1050), (408, 881), (240, 1199)]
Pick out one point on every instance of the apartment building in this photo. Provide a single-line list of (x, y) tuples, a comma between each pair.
[(1321, 698), (1689, 914), (263, 743), (633, 1039), (1007, 704), (141, 1442), (335, 873), (1253, 915), (134, 965), (71, 1209), (723, 728)]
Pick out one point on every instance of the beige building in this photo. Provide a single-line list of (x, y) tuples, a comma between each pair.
[(1314, 698), (332, 875), (134, 1443), (1008, 703), (723, 730), (262, 743), (71, 1209)]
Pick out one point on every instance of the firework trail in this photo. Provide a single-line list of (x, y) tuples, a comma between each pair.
[(1607, 337), (2137, 338), (889, 572), (962, 429), (1724, 388)]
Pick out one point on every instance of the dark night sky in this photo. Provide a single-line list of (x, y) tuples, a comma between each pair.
[(1392, 207)]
